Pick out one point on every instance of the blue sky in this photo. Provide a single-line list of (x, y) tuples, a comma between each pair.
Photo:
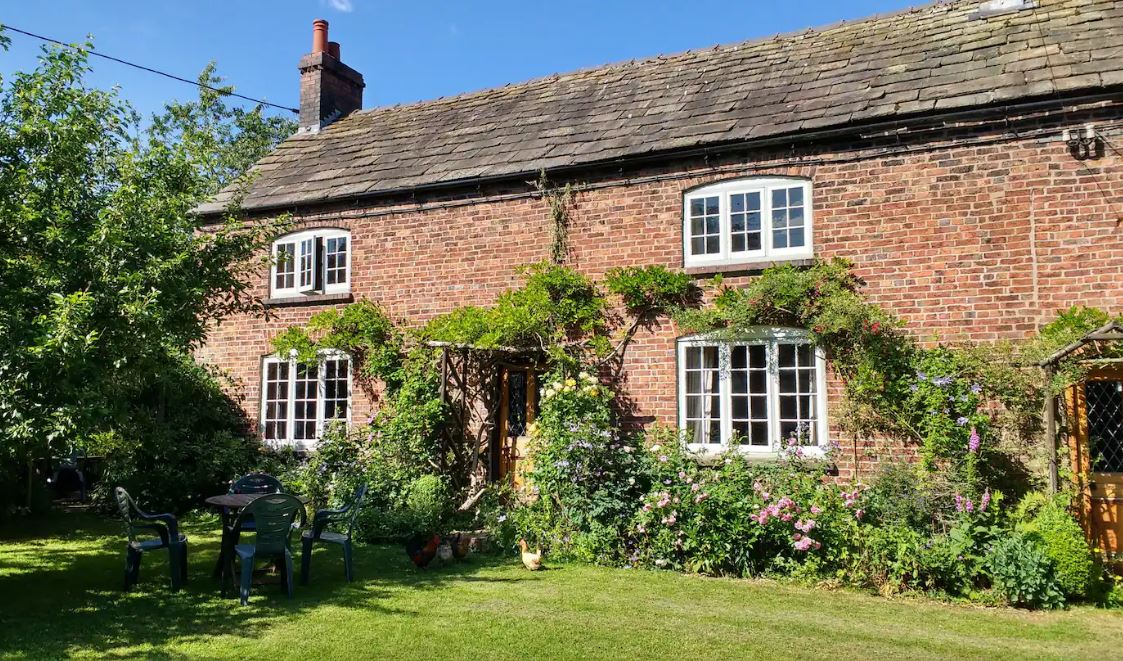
[(407, 51)]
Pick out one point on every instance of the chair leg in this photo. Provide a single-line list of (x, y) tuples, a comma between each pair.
[(348, 570), (183, 563), (174, 552), (132, 567), (247, 579), (288, 574), (305, 560)]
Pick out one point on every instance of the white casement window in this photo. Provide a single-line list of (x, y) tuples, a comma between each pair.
[(754, 394), (311, 262), (298, 399), (747, 220)]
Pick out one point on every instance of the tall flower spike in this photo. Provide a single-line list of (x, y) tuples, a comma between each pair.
[(973, 441)]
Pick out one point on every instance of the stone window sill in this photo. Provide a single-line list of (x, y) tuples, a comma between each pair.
[(310, 299), (745, 268)]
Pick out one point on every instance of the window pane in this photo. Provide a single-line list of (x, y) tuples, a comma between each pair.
[(703, 402), (304, 404), (275, 422), (336, 388), (335, 251), (788, 218), (705, 226), (307, 260), (285, 268), (797, 384)]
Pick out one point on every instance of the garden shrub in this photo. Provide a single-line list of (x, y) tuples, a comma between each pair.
[(741, 519), (428, 504), (1063, 541), (196, 439), (585, 478), (902, 495), (1022, 572)]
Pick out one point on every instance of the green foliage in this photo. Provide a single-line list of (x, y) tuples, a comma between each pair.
[(194, 440), (741, 519), (108, 279), (555, 309), (428, 504), (1047, 522), (361, 329), (649, 291), (1070, 326), (943, 412), (902, 495), (1023, 574), (585, 476)]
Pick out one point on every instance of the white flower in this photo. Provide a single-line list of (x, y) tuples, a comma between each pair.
[(656, 448)]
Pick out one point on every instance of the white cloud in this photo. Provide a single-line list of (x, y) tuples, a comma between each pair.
[(339, 5)]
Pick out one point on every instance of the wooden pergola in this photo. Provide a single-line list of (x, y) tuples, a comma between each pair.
[(470, 386), (1095, 345)]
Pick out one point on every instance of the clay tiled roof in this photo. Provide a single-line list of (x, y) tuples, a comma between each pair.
[(933, 58)]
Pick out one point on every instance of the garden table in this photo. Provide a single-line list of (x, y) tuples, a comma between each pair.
[(230, 505)]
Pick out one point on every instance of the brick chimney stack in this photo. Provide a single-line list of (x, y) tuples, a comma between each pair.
[(329, 89)]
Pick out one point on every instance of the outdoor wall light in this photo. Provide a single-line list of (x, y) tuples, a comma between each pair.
[(1083, 143)]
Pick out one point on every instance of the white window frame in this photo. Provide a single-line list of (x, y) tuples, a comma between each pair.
[(771, 337), (724, 191), (321, 391), (316, 241)]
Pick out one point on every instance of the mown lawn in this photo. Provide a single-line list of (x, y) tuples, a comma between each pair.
[(60, 597)]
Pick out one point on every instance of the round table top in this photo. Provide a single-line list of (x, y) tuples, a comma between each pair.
[(240, 500)]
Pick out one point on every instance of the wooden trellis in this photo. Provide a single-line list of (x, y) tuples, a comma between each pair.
[(470, 386)]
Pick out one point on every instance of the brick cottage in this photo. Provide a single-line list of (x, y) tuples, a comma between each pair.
[(965, 156)]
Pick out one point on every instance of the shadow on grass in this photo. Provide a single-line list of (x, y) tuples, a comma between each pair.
[(61, 585)]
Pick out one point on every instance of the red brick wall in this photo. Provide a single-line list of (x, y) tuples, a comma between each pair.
[(969, 234)]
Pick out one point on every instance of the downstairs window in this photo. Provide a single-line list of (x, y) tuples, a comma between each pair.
[(759, 393), (299, 399)]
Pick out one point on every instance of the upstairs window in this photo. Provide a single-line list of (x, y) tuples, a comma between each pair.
[(299, 399), (311, 262), (757, 394), (747, 220)]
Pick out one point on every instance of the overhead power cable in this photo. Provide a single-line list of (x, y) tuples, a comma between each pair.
[(150, 69)]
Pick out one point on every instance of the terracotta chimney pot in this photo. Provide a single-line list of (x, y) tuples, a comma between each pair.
[(333, 49), (319, 36)]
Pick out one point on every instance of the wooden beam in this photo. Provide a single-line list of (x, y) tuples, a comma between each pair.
[(1051, 430)]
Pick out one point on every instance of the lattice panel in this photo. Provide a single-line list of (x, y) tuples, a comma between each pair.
[(1105, 424)]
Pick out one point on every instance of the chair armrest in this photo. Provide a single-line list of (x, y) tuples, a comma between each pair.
[(168, 520)]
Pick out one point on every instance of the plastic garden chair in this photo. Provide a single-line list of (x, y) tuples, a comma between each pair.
[(256, 483), (273, 516), (165, 526), (320, 533)]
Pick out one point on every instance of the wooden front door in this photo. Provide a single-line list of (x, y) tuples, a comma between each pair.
[(1095, 416), (517, 407)]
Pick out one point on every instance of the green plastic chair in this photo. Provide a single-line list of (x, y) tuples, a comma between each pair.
[(165, 526), (273, 517), (319, 533), (256, 483)]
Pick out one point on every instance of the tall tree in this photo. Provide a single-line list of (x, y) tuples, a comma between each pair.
[(106, 278)]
